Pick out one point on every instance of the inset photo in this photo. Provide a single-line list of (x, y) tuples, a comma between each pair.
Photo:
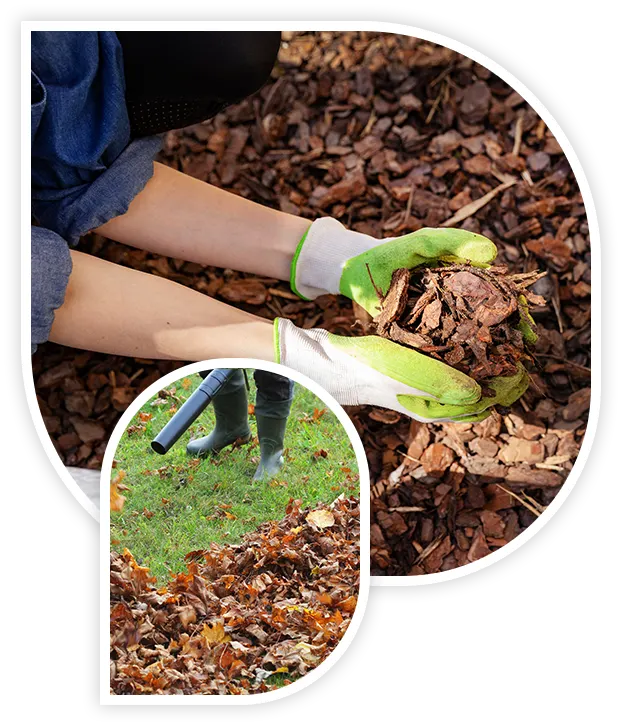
[(234, 538)]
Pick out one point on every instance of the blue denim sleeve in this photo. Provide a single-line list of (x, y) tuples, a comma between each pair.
[(50, 269), (85, 168)]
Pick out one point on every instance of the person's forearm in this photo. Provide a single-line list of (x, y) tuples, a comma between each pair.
[(112, 309), (179, 216)]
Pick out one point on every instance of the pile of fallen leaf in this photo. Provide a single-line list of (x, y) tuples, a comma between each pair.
[(388, 134), (469, 318), (278, 603)]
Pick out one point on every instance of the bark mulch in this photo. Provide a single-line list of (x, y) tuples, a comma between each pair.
[(277, 604), (469, 318), (388, 134)]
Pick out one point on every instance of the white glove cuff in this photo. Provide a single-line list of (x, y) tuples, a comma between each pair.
[(308, 351), (318, 266)]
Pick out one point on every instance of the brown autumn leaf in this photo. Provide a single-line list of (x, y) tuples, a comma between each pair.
[(213, 632), (135, 429), (187, 615), (348, 604), (320, 519), (116, 499), (138, 575), (314, 417)]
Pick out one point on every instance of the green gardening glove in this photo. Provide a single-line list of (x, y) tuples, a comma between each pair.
[(332, 259), (507, 390), (375, 371)]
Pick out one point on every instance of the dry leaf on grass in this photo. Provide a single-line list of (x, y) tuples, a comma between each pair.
[(116, 498), (320, 519)]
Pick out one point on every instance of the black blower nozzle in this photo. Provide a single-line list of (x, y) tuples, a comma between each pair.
[(190, 410)]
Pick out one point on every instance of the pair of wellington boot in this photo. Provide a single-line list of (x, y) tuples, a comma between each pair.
[(232, 426)]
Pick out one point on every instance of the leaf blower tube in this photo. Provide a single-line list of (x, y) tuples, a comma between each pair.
[(191, 409)]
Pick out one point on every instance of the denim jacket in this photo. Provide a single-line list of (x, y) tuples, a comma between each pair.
[(85, 170)]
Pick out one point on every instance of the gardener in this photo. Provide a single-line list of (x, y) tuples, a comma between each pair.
[(99, 101), (231, 409)]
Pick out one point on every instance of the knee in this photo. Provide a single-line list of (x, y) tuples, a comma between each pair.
[(273, 387), (224, 65)]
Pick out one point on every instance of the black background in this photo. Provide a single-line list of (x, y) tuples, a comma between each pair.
[(414, 644)]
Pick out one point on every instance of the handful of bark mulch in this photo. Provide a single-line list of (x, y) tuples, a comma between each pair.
[(277, 604), (466, 316)]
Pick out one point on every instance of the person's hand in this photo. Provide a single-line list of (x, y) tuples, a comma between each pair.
[(332, 259), (507, 389), (373, 370)]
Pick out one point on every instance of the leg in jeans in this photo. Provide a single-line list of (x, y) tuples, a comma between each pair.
[(179, 216), (272, 407)]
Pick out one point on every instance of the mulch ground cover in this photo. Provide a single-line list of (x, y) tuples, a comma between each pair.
[(274, 606), (388, 134)]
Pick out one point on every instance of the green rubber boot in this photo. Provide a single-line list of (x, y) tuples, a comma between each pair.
[(271, 433), (232, 419)]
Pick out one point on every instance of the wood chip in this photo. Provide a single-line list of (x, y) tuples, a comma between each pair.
[(470, 209)]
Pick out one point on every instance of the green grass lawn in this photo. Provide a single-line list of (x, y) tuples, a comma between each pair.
[(176, 504)]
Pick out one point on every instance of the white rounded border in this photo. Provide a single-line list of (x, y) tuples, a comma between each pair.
[(459, 47), (364, 552)]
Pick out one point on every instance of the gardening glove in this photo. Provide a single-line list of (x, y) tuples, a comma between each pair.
[(332, 259), (373, 370), (507, 389)]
